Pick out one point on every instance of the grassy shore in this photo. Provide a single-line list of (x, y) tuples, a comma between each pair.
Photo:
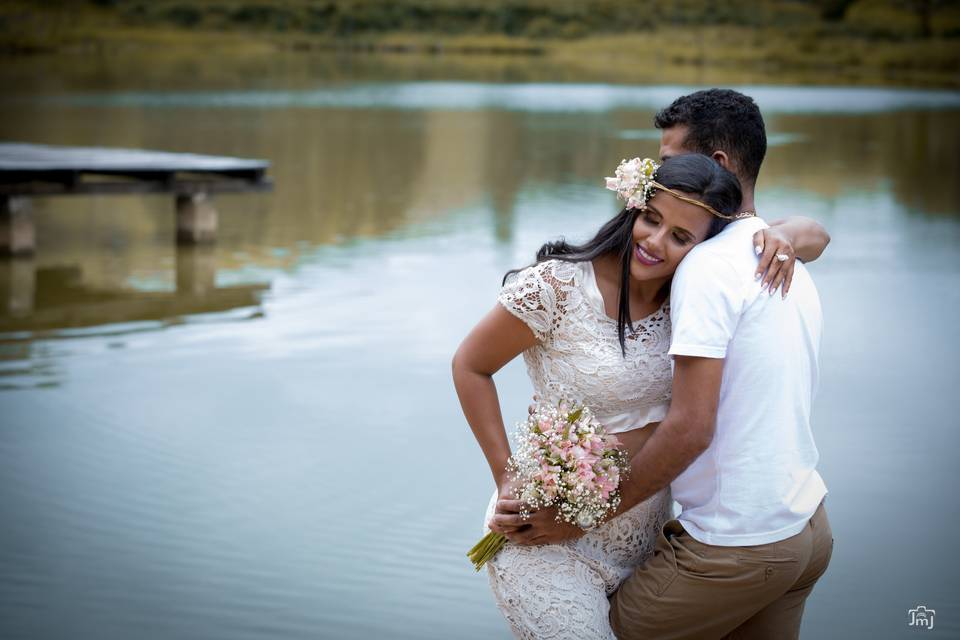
[(873, 44)]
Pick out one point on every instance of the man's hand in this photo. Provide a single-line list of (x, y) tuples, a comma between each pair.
[(506, 504), (540, 528)]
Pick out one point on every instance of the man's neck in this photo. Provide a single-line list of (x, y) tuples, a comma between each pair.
[(746, 204)]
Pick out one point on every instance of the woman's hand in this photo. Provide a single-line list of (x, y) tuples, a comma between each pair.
[(507, 504), (777, 259), (794, 238), (540, 528)]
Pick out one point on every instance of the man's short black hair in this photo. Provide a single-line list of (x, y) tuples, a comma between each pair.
[(720, 120)]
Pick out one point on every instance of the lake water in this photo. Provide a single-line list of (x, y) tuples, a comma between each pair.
[(261, 440)]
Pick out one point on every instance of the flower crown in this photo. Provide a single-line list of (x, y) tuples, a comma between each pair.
[(635, 182)]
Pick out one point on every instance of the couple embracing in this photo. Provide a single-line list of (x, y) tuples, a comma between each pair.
[(666, 324)]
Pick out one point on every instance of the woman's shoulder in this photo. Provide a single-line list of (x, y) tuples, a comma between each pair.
[(552, 272), (543, 293)]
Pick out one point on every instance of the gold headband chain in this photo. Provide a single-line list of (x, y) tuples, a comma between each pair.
[(703, 205), (634, 183)]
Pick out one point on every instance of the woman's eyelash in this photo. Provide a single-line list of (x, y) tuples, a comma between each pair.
[(652, 218)]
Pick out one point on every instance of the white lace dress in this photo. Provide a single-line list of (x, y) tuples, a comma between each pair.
[(560, 591)]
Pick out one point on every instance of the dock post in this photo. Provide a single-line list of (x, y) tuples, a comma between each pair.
[(17, 234), (18, 284), (196, 219), (196, 270)]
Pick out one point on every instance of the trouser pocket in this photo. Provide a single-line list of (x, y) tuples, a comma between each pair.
[(663, 564)]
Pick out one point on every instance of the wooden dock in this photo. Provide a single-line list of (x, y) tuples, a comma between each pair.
[(29, 170)]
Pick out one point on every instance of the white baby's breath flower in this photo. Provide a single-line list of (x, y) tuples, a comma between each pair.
[(633, 181)]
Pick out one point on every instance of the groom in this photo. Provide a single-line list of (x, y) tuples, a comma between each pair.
[(736, 446)]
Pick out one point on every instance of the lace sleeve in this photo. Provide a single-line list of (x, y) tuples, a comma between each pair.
[(538, 295)]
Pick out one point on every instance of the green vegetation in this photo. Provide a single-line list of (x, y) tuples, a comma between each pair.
[(548, 19), (899, 41)]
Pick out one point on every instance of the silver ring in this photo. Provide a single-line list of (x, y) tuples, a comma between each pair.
[(782, 257)]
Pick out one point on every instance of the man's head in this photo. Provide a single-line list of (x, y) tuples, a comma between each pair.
[(720, 123)]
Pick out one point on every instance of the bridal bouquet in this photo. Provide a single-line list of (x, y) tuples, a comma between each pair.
[(564, 459)]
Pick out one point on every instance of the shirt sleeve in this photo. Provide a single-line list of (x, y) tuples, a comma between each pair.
[(535, 295), (706, 301)]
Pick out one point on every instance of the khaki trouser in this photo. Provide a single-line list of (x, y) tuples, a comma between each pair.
[(693, 590)]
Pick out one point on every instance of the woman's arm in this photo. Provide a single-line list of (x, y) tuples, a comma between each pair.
[(797, 238), (808, 237), (496, 340)]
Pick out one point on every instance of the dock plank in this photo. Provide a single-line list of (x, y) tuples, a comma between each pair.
[(18, 157), (41, 187)]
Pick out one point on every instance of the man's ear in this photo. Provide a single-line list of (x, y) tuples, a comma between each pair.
[(723, 160)]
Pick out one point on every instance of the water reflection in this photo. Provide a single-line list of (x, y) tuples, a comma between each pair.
[(911, 153), (58, 297), (58, 301), (344, 174)]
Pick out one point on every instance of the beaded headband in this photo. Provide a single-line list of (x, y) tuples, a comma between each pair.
[(634, 183)]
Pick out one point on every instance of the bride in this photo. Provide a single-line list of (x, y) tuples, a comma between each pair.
[(571, 315)]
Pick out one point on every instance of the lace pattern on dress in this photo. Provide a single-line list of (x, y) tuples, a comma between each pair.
[(560, 591), (539, 295), (578, 357)]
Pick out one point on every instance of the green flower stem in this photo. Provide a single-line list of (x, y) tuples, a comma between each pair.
[(488, 547), (484, 541), (484, 547)]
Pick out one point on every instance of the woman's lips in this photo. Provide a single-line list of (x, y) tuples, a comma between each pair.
[(645, 258)]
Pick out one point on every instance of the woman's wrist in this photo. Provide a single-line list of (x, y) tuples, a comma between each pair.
[(501, 478), (498, 467)]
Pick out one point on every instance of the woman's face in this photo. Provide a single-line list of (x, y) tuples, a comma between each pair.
[(663, 234)]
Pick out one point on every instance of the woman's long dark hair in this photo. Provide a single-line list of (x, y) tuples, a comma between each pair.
[(693, 174)]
